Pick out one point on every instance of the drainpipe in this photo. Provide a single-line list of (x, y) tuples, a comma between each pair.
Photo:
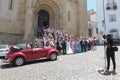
[(104, 17)]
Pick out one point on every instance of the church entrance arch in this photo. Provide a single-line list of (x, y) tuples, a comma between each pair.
[(43, 18), (48, 13), (53, 10)]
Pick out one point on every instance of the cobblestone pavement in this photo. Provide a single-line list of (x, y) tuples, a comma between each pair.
[(82, 66)]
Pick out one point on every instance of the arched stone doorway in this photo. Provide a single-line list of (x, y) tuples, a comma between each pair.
[(43, 18), (54, 10)]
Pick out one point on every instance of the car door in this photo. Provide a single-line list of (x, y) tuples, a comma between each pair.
[(30, 54), (41, 53)]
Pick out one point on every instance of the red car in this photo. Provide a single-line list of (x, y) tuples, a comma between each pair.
[(18, 57)]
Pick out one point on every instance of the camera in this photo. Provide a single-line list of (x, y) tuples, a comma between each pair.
[(110, 39)]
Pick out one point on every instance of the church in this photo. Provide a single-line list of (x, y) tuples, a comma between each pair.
[(20, 18)]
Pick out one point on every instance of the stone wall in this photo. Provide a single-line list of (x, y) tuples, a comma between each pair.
[(22, 18), (12, 20), (6, 38)]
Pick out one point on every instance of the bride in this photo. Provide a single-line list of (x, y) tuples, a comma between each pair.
[(68, 48)]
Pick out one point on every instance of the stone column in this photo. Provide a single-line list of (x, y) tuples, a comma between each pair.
[(29, 32), (82, 27)]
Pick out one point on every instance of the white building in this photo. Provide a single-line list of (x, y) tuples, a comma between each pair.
[(92, 24), (108, 15)]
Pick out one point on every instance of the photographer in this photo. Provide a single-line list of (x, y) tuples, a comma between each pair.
[(108, 41)]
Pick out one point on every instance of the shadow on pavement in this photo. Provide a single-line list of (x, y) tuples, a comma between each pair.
[(102, 72), (6, 66)]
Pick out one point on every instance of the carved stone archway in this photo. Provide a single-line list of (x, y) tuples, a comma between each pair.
[(43, 19), (54, 10)]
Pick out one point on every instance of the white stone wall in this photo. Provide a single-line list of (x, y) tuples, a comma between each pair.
[(105, 13)]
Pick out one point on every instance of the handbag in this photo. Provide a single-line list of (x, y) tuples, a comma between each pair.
[(115, 48)]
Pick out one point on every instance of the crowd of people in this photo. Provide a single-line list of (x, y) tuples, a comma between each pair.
[(64, 42)]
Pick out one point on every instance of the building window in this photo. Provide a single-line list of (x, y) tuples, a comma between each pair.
[(10, 4), (69, 16), (90, 32), (112, 18), (113, 31), (96, 30), (111, 4)]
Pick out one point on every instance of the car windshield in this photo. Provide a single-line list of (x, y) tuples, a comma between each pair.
[(3, 46)]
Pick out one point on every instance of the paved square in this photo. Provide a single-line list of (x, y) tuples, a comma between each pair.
[(82, 66)]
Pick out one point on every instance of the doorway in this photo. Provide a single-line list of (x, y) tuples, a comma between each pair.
[(43, 19)]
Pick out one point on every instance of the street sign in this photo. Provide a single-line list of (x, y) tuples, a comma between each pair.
[(101, 32)]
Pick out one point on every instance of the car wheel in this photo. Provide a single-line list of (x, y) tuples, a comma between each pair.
[(53, 56), (19, 61)]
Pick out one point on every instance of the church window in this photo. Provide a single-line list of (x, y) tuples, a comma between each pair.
[(10, 4), (69, 16)]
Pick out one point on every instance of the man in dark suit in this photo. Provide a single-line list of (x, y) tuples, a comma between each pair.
[(63, 46), (39, 32), (110, 53)]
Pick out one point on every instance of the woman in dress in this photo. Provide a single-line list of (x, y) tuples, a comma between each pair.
[(79, 47), (68, 48), (73, 45)]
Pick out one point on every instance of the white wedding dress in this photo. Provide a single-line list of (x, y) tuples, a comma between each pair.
[(68, 49)]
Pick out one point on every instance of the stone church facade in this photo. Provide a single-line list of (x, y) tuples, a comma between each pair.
[(20, 18)]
